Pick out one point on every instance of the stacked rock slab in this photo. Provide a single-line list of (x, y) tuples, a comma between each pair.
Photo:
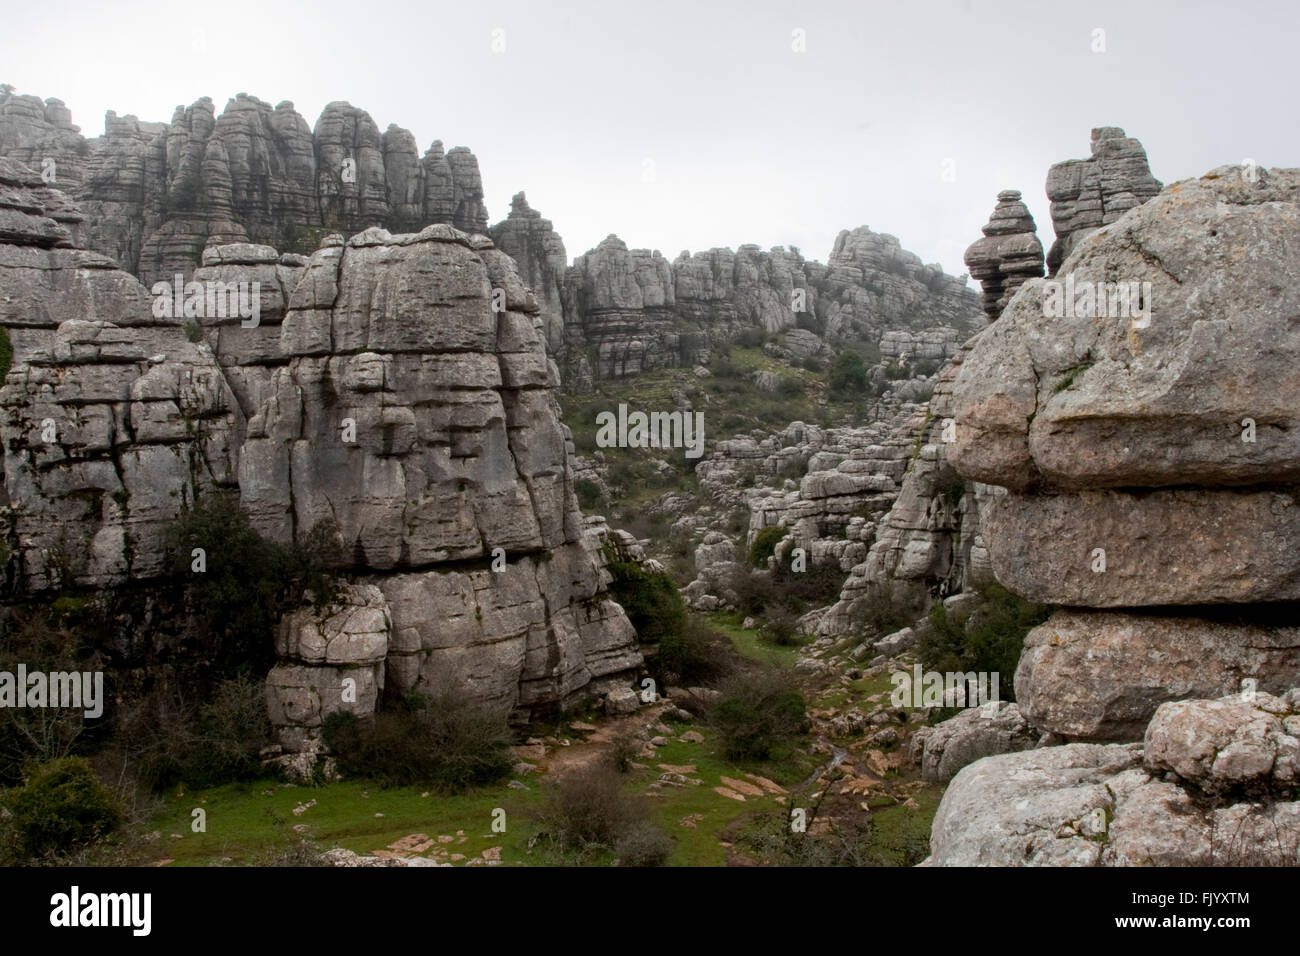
[(1212, 783), (629, 310), (248, 348), (157, 193), (1151, 456), (1087, 194), (387, 395), (422, 423), (112, 420), (1008, 255), (929, 543), (539, 255)]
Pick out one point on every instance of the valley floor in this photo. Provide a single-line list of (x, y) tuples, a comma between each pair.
[(868, 807)]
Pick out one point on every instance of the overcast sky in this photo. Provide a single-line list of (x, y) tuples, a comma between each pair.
[(687, 125)]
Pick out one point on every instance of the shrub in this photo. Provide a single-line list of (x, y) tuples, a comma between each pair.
[(791, 385), (883, 613), (622, 752), (751, 338), (248, 583), (651, 600), (587, 808), (6, 354), (758, 714), (764, 545), (44, 638), (989, 640), (782, 629), (848, 373), (815, 586), (219, 742), (694, 654), (60, 806), (588, 493), (643, 844), (812, 364), (445, 740)]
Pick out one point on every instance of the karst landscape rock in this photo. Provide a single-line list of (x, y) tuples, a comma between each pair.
[(1113, 481)]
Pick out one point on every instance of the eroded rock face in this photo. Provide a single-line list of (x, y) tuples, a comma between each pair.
[(158, 193), (539, 255), (630, 310), (930, 542), (385, 395), (1008, 255), (1149, 451), (1089, 193), (995, 728), (1100, 676), (422, 423), (1212, 785), (112, 420), (1095, 401)]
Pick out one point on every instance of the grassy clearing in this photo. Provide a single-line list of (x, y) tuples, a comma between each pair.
[(752, 644)]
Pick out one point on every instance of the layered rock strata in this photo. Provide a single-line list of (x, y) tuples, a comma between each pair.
[(1087, 194), (157, 193), (1149, 454), (381, 390), (1008, 255)]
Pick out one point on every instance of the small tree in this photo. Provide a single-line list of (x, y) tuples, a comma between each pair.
[(848, 373)]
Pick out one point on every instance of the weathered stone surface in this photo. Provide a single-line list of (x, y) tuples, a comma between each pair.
[(1162, 547), (538, 252), (1101, 675), (156, 194), (391, 400), (1008, 255), (983, 731), (1236, 742), (1089, 193), (1083, 402), (1120, 805)]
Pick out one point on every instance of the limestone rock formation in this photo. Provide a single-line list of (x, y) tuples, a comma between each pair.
[(157, 193), (1150, 453), (111, 418), (994, 728), (1213, 784), (1008, 255), (1087, 194), (929, 543), (539, 256), (385, 395), (629, 310)]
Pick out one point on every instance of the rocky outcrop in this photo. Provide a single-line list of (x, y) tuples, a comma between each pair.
[(929, 543), (539, 256), (1212, 784), (157, 194), (388, 399), (630, 310), (1149, 453), (111, 418), (1087, 194), (1008, 255), (993, 728)]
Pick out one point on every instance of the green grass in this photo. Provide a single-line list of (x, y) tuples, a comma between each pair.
[(752, 643), (246, 821)]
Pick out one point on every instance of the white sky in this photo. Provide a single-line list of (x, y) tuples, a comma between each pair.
[(749, 140)]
